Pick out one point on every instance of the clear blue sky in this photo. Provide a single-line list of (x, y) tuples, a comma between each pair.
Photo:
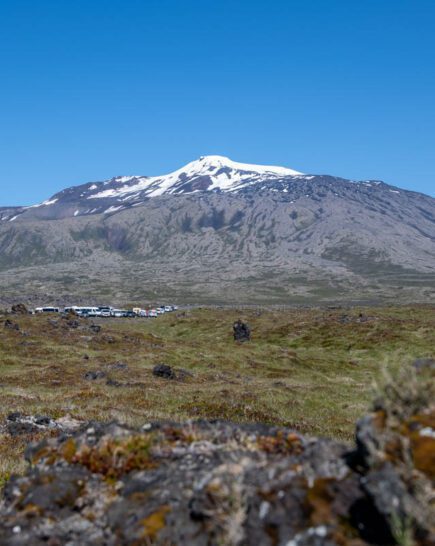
[(92, 89)]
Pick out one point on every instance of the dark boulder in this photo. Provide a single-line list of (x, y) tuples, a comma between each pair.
[(18, 428), (14, 416), (165, 371), (95, 328), (19, 309), (114, 383), (9, 325), (241, 331), (43, 420), (18, 424), (72, 323)]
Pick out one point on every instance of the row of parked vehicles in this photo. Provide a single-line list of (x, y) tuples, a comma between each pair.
[(106, 311)]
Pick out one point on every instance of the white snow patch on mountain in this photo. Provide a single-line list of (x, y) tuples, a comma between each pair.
[(113, 209), (223, 173), (43, 204)]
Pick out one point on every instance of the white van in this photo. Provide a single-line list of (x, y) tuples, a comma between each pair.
[(84, 311)]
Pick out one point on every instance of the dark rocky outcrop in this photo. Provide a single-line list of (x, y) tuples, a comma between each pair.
[(114, 383), (72, 323), (9, 325), (95, 328), (18, 424), (93, 375), (165, 371), (241, 331), (19, 309)]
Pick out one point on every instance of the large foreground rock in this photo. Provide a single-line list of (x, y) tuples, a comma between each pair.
[(201, 484)]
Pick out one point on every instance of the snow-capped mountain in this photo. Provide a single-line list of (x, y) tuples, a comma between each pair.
[(208, 173), (225, 231), (213, 173)]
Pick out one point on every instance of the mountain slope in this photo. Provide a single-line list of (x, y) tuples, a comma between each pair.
[(237, 234)]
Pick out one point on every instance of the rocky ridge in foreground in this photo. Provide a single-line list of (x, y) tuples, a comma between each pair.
[(216, 483)]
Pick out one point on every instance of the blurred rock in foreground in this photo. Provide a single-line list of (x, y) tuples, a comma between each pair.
[(204, 483)]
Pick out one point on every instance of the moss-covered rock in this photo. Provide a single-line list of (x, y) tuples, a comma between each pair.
[(217, 483)]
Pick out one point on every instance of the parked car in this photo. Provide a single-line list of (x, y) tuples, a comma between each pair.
[(47, 310), (118, 313), (105, 311)]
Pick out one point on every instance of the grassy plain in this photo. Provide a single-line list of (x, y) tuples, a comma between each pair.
[(310, 369)]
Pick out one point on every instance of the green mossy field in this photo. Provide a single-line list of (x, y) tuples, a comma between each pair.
[(310, 369)]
